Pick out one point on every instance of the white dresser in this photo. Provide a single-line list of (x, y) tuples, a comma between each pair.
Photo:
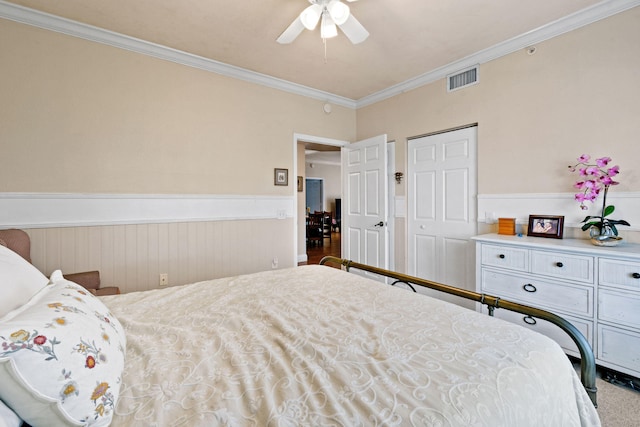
[(597, 289)]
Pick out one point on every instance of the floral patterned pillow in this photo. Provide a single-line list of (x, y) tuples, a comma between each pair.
[(61, 358)]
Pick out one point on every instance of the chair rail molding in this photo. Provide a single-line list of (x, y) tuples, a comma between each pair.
[(44, 210), (520, 206)]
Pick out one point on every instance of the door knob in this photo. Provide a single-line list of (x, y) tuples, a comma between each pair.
[(380, 224)]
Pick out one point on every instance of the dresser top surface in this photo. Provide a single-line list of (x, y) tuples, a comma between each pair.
[(628, 250)]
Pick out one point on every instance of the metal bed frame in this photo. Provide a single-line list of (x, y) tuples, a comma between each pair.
[(587, 359)]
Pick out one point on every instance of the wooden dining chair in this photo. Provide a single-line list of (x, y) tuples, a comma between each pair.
[(314, 229)]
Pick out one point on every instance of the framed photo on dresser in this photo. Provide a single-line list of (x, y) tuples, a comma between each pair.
[(546, 226)]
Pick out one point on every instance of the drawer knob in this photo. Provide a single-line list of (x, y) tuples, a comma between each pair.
[(501, 256), (529, 320), (559, 264), (529, 287), (636, 275)]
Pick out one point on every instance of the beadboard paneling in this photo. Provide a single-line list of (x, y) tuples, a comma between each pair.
[(133, 256)]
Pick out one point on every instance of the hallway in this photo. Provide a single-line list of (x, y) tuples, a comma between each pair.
[(317, 252)]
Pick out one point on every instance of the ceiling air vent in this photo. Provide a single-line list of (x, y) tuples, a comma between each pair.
[(462, 79)]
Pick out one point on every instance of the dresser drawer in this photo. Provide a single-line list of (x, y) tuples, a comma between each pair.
[(619, 273), (551, 330), (562, 265), (619, 307), (505, 257), (619, 347), (528, 290)]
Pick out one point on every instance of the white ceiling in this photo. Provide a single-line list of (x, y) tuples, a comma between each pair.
[(409, 38)]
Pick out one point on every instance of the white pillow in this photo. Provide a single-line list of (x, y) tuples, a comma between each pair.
[(19, 280), (61, 358), (8, 418)]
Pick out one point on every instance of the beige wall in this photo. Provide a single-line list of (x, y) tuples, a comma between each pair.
[(103, 120), (82, 117), (536, 113)]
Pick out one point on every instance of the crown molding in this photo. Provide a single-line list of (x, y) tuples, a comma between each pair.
[(50, 22), (561, 26), (571, 22)]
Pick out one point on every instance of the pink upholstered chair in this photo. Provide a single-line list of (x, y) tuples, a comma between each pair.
[(19, 242)]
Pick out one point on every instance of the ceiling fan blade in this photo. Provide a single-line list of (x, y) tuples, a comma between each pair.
[(354, 30), (291, 32)]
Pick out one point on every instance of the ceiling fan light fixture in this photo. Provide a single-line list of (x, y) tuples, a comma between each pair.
[(310, 16), (331, 14), (339, 11), (328, 28)]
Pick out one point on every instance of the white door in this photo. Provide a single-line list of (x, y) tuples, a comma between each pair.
[(364, 202), (441, 215)]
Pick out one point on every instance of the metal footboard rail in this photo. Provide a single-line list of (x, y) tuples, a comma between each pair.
[(587, 359)]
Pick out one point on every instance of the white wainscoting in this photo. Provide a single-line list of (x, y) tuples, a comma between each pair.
[(520, 206), (132, 239), (133, 256), (35, 210)]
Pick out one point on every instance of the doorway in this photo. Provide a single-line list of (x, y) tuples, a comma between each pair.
[(307, 143), (316, 158)]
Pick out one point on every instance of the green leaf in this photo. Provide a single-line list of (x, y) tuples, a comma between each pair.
[(608, 210), (618, 221)]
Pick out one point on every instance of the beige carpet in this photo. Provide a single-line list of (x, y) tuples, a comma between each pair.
[(618, 406)]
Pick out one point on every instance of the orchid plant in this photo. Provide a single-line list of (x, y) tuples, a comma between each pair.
[(595, 179)]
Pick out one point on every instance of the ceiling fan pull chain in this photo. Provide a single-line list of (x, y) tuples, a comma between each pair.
[(324, 41)]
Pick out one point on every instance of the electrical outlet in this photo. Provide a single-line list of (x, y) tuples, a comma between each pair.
[(490, 217), (164, 279)]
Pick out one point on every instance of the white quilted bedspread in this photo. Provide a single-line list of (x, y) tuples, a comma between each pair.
[(315, 346)]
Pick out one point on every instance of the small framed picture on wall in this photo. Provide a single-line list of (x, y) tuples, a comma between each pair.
[(280, 176)]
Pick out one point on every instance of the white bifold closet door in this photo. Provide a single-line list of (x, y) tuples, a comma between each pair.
[(441, 202)]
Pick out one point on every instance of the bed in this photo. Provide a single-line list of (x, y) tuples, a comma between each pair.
[(304, 346)]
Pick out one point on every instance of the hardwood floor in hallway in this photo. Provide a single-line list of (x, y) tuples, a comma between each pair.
[(330, 247)]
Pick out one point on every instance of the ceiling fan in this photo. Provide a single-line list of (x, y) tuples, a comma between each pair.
[(329, 13)]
